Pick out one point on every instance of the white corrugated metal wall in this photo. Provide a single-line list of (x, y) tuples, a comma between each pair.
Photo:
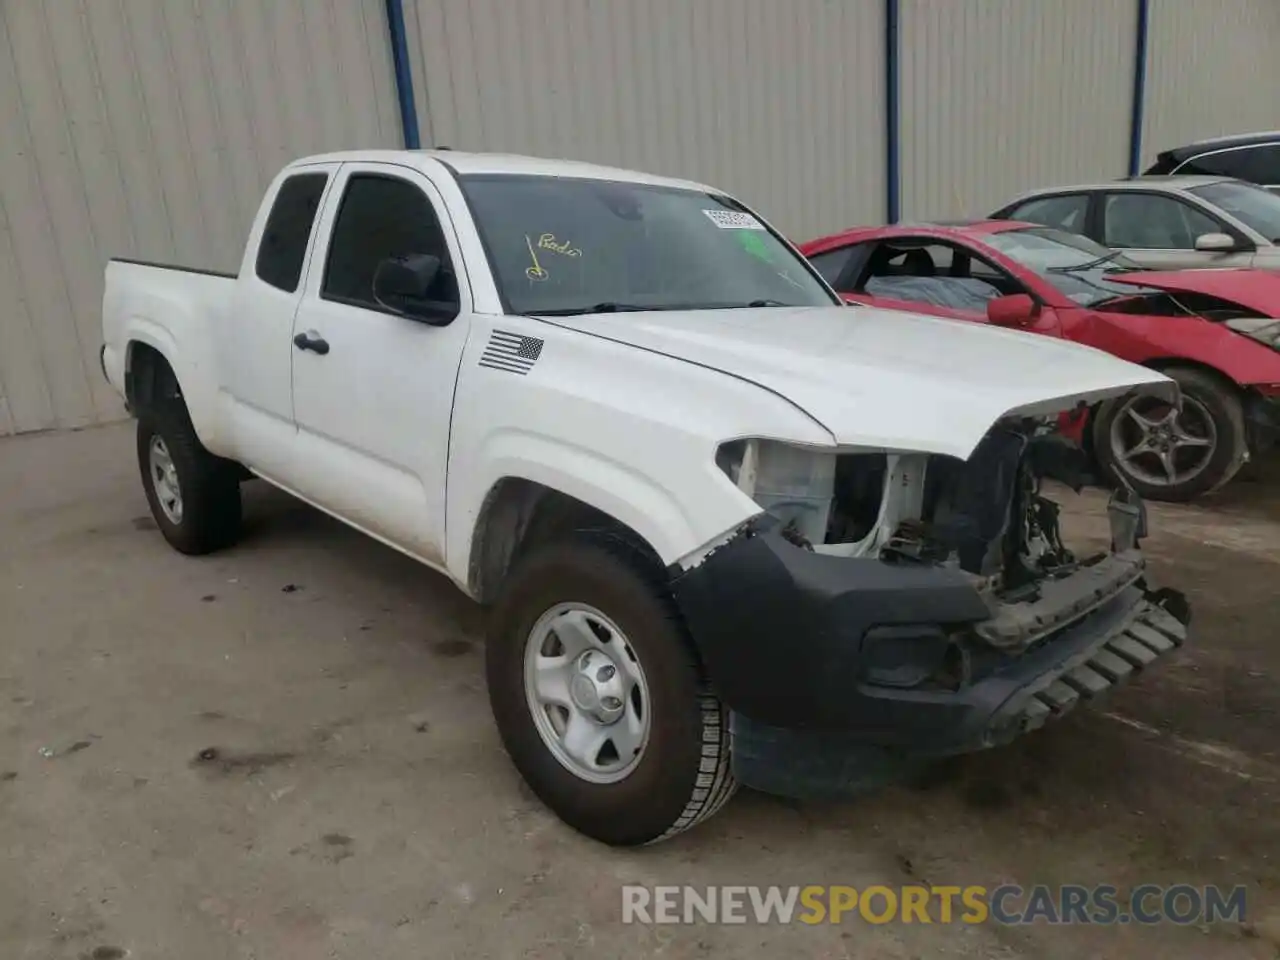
[(999, 96), (778, 101), (1212, 68), (149, 128)]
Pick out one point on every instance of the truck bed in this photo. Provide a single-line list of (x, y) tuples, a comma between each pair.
[(174, 310), (173, 266)]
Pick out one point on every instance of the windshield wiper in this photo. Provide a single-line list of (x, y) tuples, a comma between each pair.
[(607, 307), (1087, 265), (612, 307)]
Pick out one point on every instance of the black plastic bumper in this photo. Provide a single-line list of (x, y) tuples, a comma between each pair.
[(831, 665), (784, 632)]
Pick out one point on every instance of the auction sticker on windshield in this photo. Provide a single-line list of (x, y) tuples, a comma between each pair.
[(733, 220)]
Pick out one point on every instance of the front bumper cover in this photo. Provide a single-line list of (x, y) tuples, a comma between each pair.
[(794, 643)]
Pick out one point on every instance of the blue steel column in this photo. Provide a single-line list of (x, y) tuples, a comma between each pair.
[(892, 119), (404, 76), (1139, 88)]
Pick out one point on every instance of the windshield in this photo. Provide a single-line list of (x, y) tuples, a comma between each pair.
[(562, 246), (1074, 264), (1255, 207)]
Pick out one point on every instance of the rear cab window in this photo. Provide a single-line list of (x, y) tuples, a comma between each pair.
[(283, 246)]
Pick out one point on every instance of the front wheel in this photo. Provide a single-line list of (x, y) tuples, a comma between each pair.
[(598, 699), (1170, 454)]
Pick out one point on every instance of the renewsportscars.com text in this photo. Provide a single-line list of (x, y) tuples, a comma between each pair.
[(1006, 904)]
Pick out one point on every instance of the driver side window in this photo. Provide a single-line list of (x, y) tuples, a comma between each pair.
[(935, 274), (1149, 221), (382, 217)]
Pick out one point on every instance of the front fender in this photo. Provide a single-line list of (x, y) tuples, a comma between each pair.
[(617, 489), (1153, 341), (630, 432)]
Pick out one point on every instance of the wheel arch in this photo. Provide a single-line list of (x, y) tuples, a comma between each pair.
[(153, 370), (518, 514), (1234, 401), (148, 375), (1163, 364)]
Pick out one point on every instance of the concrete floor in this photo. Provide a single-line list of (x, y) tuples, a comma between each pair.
[(360, 805)]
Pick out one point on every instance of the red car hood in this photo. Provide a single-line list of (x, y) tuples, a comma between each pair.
[(1252, 289)]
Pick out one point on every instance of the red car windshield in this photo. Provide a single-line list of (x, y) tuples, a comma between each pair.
[(1076, 265)]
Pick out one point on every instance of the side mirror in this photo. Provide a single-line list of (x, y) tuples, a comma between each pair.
[(1015, 310), (1215, 243), (404, 285)]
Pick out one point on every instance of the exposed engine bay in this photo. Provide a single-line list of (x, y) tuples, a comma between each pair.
[(985, 516), (913, 600), (1160, 303)]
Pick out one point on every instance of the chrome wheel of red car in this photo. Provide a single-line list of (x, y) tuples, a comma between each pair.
[(1155, 442), (1169, 454)]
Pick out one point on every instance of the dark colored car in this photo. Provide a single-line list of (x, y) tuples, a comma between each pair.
[(1246, 156)]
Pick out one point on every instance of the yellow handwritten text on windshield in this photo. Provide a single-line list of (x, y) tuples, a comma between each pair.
[(548, 241)]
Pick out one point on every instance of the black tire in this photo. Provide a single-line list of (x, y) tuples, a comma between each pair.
[(209, 485), (683, 776), (1221, 401)]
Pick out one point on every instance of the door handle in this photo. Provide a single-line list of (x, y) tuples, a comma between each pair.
[(311, 341)]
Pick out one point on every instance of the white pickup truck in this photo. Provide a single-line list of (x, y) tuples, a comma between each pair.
[(729, 530)]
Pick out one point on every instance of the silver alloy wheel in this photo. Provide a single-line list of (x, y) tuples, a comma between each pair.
[(164, 480), (1166, 447), (587, 693)]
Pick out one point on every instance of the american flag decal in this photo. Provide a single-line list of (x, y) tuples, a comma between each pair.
[(511, 352)]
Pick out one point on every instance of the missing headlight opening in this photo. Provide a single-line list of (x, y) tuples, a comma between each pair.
[(985, 515)]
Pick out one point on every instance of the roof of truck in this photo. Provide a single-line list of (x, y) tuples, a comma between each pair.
[(465, 164)]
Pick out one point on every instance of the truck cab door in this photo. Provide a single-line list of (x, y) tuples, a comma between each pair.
[(373, 388), (255, 355)]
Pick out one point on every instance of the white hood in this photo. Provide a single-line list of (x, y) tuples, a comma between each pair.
[(884, 379)]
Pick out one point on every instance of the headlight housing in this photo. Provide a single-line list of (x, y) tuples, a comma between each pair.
[(1263, 329), (795, 484)]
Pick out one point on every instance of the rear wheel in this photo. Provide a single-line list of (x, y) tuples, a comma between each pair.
[(1167, 454), (598, 698), (194, 496)]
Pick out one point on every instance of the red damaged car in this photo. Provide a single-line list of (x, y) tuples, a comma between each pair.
[(1217, 332)]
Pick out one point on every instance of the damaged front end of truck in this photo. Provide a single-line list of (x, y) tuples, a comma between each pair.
[(887, 608)]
